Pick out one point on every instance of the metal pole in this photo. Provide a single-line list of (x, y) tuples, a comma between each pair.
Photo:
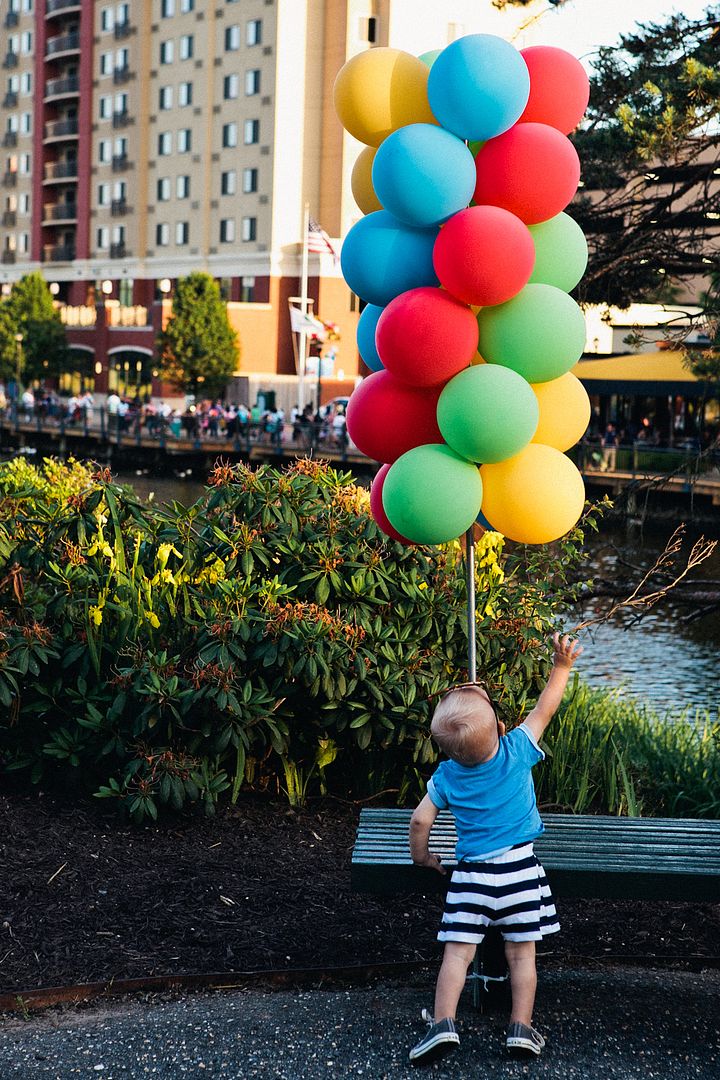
[(302, 361), (470, 594)]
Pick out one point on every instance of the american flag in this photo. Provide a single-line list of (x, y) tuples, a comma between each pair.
[(318, 240)]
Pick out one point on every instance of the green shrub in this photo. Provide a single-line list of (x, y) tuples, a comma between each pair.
[(160, 655)]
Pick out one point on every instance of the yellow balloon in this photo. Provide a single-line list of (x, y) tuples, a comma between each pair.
[(564, 411), (534, 497), (361, 181), (381, 90)]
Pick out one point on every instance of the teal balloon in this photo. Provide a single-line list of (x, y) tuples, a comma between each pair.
[(367, 324), (540, 333), (561, 253), (423, 175), (430, 57), (487, 413), (381, 258), (435, 494)]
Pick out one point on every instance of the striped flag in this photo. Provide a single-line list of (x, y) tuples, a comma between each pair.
[(318, 240)]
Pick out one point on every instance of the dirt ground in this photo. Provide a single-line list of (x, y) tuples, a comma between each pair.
[(84, 896)]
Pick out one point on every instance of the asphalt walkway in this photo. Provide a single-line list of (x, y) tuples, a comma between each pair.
[(613, 1024)]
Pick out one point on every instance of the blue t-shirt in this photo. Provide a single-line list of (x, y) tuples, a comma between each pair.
[(494, 802)]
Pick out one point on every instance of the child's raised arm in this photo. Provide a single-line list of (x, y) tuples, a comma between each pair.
[(565, 652)]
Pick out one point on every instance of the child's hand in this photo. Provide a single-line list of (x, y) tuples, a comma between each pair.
[(565, 651), (433, 861)]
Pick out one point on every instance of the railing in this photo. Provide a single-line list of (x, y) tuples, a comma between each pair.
[(120, 119), (61, 170), (120, 162), (9, 179), (63, 211), (10, 138), (119, 207), (53, 6), (121, 75), (58, 128), (10, 100), (11, 60), (63, 43), (118, 251), (59, 253), (60, 87), (9, 218), (7, 256), (81, 315), (12, 18), (122, 30), (116, 315)]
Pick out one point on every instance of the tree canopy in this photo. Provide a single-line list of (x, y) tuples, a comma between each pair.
[(30, 311), (198, 348)]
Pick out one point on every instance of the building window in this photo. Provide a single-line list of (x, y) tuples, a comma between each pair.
[(24, 208), (103, 238), (121, 104), (228, 182), (107, 21), (232, 38), (122, 14), (122, 60), (164, 143), (167, 52), (125, 292), (367, 29), (162, 234), (121, 147), (182, 187), (227, 230), (166, 97), (26, 43), (167, 9), (253, 32), (24, 164), (247, 290), (106, 107), (249, 229), (163, 189), (252, 132), (230, 134), (184, 141), (250, 181), (186, 6), (182, 232), (26, 123), (24, 243), (106, 63), (187, 47), (252, 82), (104, 151), (118, 235), (231, 87), (103, 194), (26, 83), (120, 191), (185, 94)]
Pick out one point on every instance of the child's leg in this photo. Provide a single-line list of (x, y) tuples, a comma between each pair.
[(523, 979), (457, 957)]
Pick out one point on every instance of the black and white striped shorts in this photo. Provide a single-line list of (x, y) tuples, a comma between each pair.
[(509, 891)]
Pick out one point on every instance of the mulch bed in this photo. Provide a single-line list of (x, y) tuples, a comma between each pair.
[(85, 897)]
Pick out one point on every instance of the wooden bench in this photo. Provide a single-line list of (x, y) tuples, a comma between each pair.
[(583, 856)]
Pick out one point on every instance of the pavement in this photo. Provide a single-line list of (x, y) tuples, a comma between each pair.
[(610, 1024)]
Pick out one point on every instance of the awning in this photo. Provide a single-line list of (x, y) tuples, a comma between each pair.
[(650, 374)]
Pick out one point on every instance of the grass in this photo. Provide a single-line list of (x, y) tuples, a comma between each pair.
[(609, 755)]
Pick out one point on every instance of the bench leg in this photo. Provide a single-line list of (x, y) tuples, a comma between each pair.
[(490, 977)]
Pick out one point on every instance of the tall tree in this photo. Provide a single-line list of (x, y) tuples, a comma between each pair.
[(8, 345), (31, 309), (198, 348)]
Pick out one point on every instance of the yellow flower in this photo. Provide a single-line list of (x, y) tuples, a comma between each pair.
[(96, 614), (163, 554), (153, 619)]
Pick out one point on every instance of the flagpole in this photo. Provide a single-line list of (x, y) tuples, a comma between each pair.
[(302, 360)]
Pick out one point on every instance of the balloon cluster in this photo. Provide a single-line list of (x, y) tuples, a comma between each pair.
[(465, 260)]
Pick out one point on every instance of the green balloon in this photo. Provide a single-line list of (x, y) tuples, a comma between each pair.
[(430, 57), (561, 253), (487, 413), (540, 333), (431, 495)]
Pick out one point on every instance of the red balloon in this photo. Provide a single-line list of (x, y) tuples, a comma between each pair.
[(531, 170), (378, 511), (559, 88), (484, 255), (425, 336), (387, 417)]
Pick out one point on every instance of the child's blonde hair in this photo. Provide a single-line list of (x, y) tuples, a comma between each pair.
[(462, 728)]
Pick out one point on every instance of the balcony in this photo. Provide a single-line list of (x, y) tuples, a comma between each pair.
[(65, 212), (65, 43), (61, 7), (11, 60), (120, 162), (61, 170), (62, 129), (10, 100), (9, 179), (69, 86), (8, 256), (122, 30), (121, 75), (12, 18), (9, 219), (118, 251), (10, 138), (119, 208), (121, 119), (59, 253)]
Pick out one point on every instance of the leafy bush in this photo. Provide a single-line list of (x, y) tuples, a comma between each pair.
[(267, 634)]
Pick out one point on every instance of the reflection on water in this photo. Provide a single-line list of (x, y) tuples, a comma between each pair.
[(666, 659)]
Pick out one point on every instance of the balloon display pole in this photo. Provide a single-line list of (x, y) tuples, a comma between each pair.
[(470, 590)]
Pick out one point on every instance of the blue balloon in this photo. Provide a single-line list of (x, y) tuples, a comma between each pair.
[(381, 258), (423, 175), (366, 337), (479, 86)]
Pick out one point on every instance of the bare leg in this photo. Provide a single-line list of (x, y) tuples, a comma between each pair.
[(523, 979), (457, 957)]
